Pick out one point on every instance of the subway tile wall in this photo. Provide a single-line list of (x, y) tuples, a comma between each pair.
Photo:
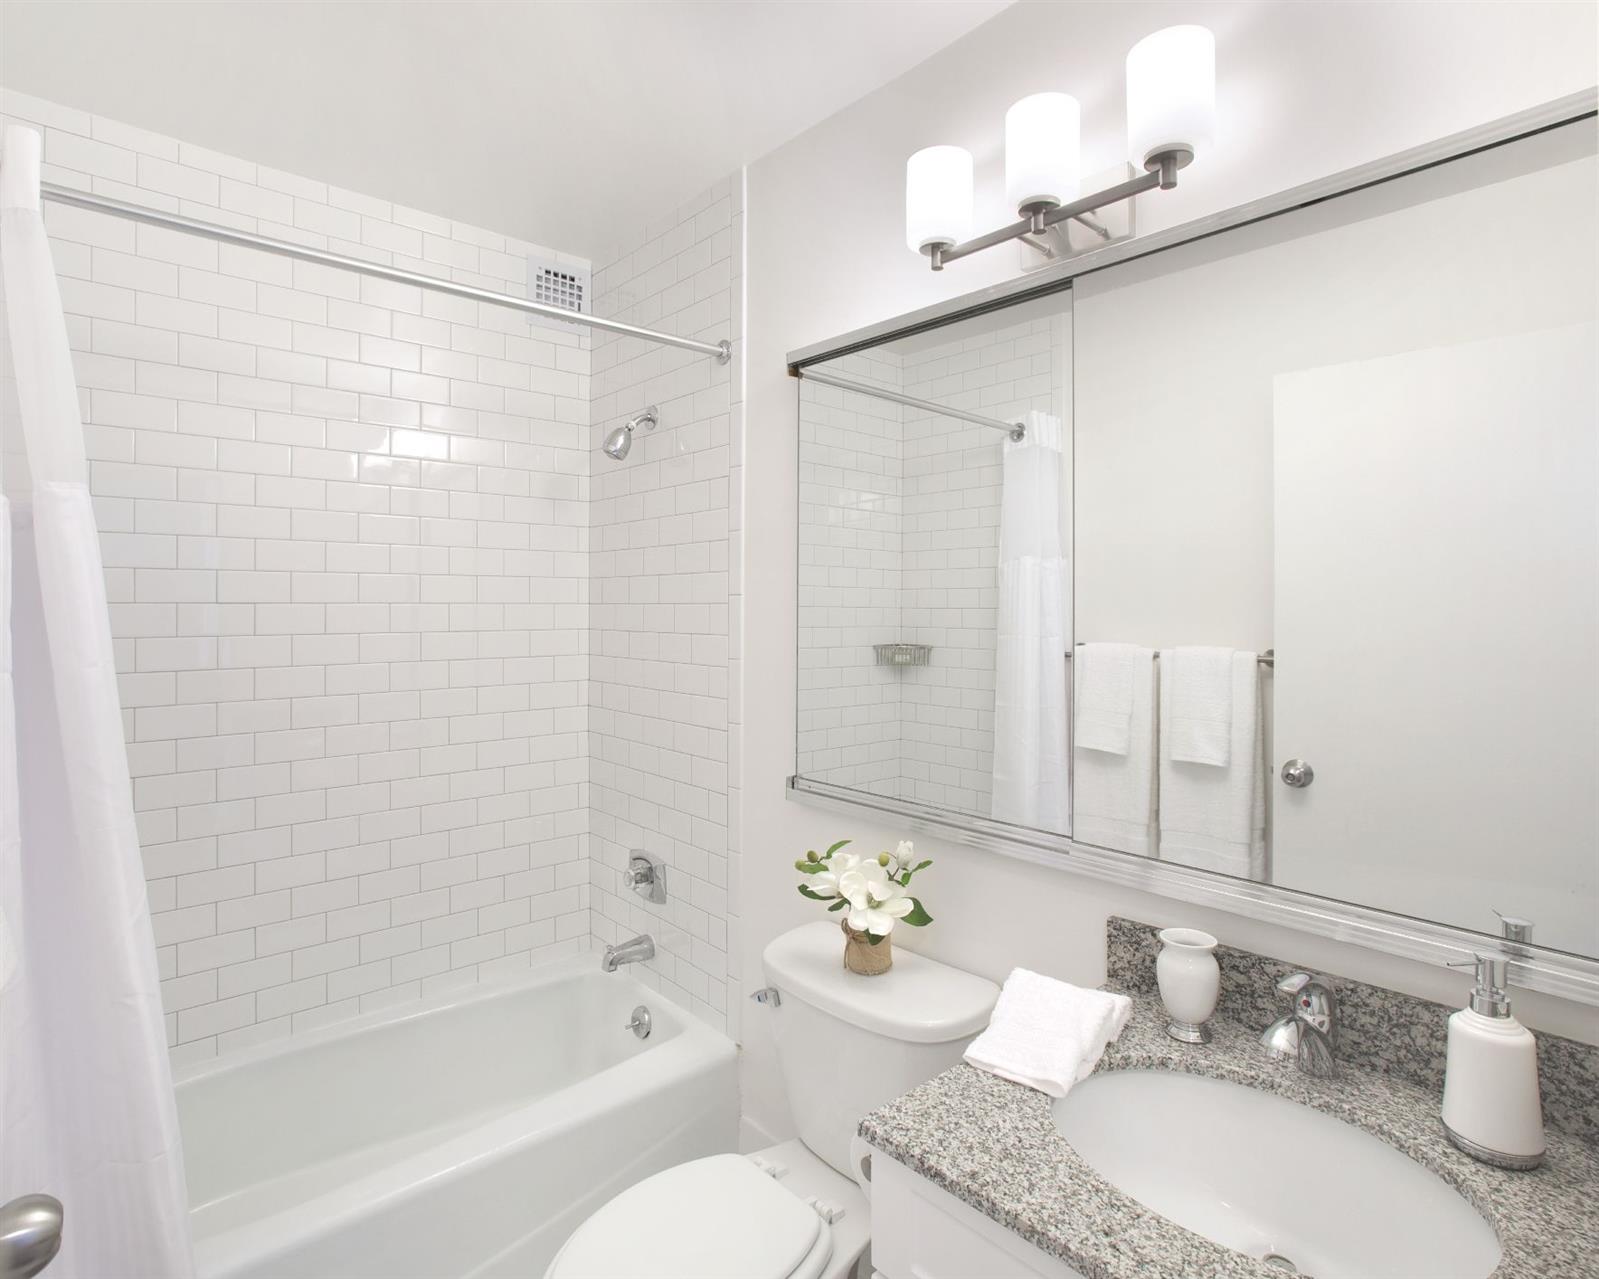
[(346, 537), (664, 634), (850, 576), (899, 514), (951, 546)]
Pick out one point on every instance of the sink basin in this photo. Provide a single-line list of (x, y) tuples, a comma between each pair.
[(1273, 1179)]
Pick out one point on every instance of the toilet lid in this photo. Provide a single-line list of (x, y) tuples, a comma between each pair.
[(715, 1218)]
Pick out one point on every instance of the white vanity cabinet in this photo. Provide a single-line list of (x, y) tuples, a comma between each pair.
[(921, 1231)]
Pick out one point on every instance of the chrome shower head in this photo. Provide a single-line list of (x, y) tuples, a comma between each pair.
[(619, 441)]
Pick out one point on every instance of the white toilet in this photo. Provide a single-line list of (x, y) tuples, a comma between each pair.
[(793, 1211)]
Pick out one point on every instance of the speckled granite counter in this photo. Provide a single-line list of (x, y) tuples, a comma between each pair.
[(994, 1145)]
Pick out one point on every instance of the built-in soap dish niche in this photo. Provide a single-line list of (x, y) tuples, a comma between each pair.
[(903, 654)]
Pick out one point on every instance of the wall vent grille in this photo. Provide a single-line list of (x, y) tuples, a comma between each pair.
[(558, 284)]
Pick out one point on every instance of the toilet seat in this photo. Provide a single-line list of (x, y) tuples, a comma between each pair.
[(715, 1218)]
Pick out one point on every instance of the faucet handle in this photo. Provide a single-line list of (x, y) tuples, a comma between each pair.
[(1293, 983)]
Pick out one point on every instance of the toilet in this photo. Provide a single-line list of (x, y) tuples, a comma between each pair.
[(847, 1044)]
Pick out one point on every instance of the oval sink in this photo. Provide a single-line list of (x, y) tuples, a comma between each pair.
[(1273, 1179)]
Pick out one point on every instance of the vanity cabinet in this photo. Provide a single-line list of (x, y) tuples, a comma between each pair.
[(921, 1231)]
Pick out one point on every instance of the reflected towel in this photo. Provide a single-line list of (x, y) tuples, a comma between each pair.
[(1214, 818), (1102, 675), (1198, 729), (1113, 799), (1048, 1034)]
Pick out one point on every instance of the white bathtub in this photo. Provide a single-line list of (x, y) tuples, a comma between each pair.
[(461, 1136)]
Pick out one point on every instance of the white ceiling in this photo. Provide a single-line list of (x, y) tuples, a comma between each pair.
[(566, 123)]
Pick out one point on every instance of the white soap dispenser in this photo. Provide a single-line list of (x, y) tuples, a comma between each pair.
[(1492, 1109)]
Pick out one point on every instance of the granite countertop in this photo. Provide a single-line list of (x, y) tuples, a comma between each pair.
[(994, 1145)]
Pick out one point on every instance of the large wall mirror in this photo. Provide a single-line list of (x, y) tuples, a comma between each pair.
[(1273, 555)]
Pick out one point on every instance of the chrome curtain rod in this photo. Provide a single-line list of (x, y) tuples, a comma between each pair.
[(1016, 430), (722, 350), (1267, 659)]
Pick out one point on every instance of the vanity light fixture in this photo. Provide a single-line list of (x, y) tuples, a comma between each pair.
[(1171, 108)]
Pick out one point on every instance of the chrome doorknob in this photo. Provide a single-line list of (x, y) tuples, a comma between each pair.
[(1297, 773), (30, 1235)]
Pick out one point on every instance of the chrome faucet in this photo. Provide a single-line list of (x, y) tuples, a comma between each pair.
[(633, 951), (1308, 1033)]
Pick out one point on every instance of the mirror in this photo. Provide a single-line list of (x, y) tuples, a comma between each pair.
[(1291, 573)]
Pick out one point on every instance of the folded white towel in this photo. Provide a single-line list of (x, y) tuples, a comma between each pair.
[(1048, 1034), (1102, 678), (1113, 795), (1198, 729), (1215, 818)]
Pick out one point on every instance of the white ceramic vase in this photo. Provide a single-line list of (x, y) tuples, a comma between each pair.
[(1189, 980)]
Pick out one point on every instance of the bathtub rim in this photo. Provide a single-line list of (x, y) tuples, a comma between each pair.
[(547, 973)]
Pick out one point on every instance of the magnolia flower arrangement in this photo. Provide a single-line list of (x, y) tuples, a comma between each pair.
[(873, 894)]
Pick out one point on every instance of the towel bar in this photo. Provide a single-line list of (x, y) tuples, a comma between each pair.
[(1267, 659)]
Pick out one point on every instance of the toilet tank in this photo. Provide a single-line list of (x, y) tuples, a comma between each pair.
[(848, 1043)]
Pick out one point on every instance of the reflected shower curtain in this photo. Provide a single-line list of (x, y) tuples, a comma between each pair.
[(87, 1112), (1031, 780)]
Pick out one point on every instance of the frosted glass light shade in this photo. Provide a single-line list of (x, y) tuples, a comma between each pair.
[(1171, 92), (1043, 150), (938, 197)]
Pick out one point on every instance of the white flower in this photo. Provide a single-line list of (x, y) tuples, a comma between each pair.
[(825, 883), (875, 900), (900, 858)]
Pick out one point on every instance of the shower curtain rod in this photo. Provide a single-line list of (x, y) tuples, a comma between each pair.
[(722, 350), (1016, 430)]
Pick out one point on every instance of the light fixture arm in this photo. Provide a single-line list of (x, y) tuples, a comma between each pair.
[(1161, 174)]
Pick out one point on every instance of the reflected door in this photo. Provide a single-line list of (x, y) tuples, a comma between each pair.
[(1437, 632)]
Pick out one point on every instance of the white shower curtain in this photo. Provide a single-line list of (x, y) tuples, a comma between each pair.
[(86, 1106), (1031, 780)]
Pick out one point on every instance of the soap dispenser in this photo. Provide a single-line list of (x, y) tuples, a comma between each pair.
[(1492, 1109)]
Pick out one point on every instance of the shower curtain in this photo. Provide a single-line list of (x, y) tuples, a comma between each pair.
[(87, 1112), (1030, 761)]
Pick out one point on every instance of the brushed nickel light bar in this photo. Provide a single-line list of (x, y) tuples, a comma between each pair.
[(1171, 107), (722, 351), (1161, 175)]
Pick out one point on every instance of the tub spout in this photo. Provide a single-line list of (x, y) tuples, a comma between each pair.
[(633, 951)]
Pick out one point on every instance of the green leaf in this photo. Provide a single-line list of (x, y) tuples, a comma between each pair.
[(918, 917), (807, 891), (920, 866), (873, 939), (841, 843), (838, 905), (810, 868)]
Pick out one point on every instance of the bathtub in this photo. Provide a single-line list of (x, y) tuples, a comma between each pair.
[(465, 1135)]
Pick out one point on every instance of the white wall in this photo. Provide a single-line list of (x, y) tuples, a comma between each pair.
[(1304, 90)]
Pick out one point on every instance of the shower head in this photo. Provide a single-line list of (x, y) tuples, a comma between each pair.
[(619, 441)]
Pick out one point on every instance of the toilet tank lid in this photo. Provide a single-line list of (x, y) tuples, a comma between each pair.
[(918, 1000)]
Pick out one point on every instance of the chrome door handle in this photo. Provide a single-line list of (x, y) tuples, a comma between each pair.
[(30, 1235), (1297, 773)]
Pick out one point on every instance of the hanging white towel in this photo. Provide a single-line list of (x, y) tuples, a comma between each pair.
[(1030, 772), (1214, 817), (1048, 1034), (1114, 794), (1102, 691), (1199, 728)]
